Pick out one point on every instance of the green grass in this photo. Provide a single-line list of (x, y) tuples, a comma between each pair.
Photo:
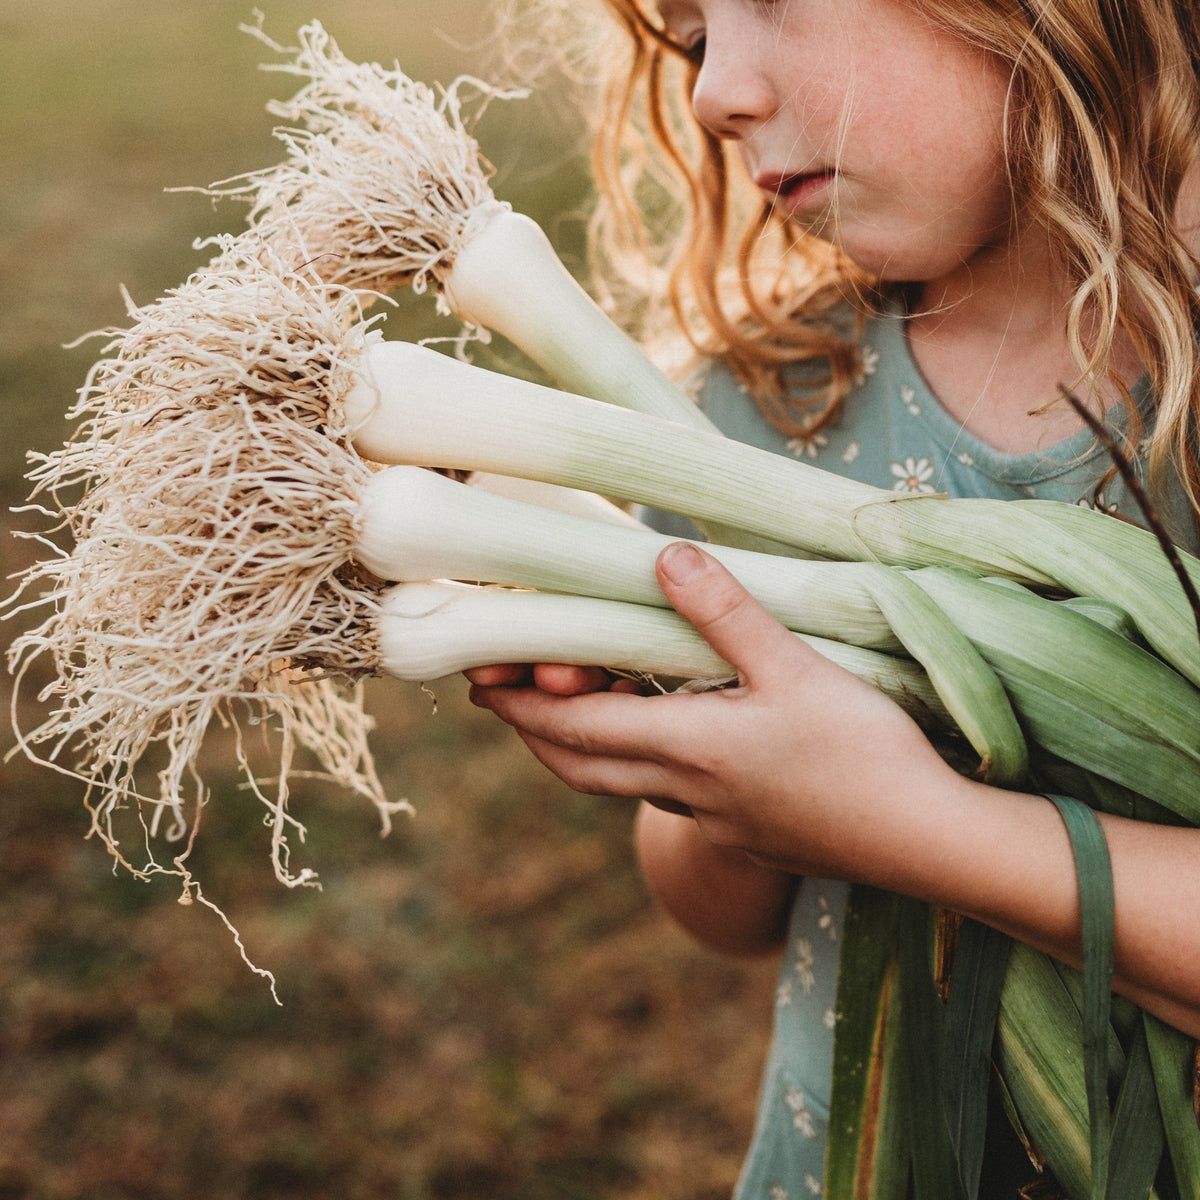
[(483, 1004)]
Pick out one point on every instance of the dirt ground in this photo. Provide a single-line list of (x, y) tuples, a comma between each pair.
[(483, 1004)]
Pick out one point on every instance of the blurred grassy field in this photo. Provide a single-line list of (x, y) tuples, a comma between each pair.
[(484, 1004)]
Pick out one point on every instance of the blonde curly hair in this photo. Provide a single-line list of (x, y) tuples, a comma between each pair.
[(677, 219)]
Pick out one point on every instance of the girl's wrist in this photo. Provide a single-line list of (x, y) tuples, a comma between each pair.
[(1000, 856)]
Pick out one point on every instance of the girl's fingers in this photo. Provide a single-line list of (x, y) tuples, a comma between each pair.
[(500, 674), (562, 680), (610, 724), (733, 623), (593, 775), (556, 678)]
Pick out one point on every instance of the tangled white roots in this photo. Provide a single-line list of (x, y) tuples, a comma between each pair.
[(210, 495), (382, 179)]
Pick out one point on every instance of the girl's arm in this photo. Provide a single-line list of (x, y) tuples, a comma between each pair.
[(806, 768), (718, 894), (721, 896)]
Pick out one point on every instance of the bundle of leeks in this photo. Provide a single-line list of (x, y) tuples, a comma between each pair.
[(237, 543), (472, 250)]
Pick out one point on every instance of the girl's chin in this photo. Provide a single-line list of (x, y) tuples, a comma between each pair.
[(890, 258), (896, 248)]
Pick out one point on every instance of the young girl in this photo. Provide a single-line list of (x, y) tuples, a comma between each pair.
[(962, 204)]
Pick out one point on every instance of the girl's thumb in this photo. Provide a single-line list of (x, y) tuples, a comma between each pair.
[(733, 623)]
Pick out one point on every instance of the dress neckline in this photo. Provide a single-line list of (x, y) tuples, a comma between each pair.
[(886, 334)]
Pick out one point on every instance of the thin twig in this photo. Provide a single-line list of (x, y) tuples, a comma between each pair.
[(1127, 473)]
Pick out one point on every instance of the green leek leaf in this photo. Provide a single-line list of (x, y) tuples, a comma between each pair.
[(1138, 1138), (1171, 1054), (1094, 871), (863, 1139), (980, 963)]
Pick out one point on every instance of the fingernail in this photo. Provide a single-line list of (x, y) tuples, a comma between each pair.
[(680, 561)]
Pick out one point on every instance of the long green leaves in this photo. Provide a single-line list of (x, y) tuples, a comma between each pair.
[(1097, 912), (935, 1174), (1073, 549), (1083, 693), (1172, 1056), (866, 1157), (1137, 1127), (980, 964), (967, 685), (1038, 1035)]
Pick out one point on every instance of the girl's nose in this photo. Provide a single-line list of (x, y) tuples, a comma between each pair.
[(732, 93)]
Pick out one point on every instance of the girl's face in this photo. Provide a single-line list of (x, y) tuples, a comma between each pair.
[(862, 121)]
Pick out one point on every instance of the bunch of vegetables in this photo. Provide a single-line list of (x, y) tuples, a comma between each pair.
[(258, 521)]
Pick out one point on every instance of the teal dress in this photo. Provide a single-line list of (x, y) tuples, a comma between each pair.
[(894, 434)]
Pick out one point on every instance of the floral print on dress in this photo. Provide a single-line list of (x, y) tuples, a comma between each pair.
[(802, 1118), (777, 1192), (813, 1184), (868, 361), (825, 921), (908, 397), (808, 443), (913, 475), (804, 965), (851, 452)]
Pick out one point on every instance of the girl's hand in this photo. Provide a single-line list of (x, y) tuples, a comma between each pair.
[(809, 769), (725, 900), (801, 764), (557, 678)]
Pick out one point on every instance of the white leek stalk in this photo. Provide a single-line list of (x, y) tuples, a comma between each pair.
[(384, 187), (1076, 687), (416, 406), (401, 415), (433, 629), (417, 525), (554, 321)]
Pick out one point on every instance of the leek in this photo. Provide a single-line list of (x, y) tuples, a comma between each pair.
[(1077, 688), (416, 525), (384, 187), (433, 629), (497, 423)]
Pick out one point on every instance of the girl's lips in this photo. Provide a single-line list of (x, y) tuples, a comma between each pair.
[(793, 192)]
